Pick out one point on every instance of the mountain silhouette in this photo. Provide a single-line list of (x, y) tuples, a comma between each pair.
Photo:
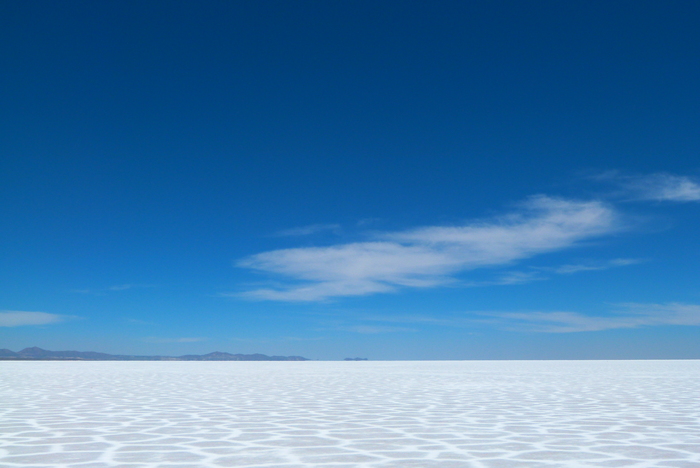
[(37, 354)]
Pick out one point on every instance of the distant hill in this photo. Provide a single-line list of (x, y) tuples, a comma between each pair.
[(38, 354)]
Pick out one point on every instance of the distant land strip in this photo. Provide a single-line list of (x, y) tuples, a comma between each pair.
[(38, 354)]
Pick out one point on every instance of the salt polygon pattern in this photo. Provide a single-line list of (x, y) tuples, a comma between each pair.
[(418, 414)]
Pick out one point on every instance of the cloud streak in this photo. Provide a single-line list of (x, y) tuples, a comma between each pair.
[(630, 315), (577, 268), (655, 187), (625, 315), (18, 318), (110, 289), (538, 273), (308, 230), (431, 256)]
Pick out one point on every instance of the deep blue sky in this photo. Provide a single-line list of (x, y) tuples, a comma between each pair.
[(392, 180)]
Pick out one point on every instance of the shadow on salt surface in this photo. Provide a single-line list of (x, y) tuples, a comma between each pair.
[(445, 414)]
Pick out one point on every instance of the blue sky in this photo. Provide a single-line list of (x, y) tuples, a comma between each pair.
[(414, 180)]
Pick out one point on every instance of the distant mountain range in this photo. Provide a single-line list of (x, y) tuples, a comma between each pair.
[(38, 354)]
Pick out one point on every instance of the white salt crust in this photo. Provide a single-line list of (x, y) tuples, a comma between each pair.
[(425, 414)]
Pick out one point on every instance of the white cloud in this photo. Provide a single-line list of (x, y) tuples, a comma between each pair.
[(109, 289), (630, 315), (413, 319), (510, 278), (430, 256), (625, 315), (308, 230), (17, 318), (656, 187), (536, 273), (576, 268), (666, 187)]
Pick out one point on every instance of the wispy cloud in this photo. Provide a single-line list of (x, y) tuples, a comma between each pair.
[(308, 230), (410, 319), (17, 318), (431, 256), (108, 289), (630, 315), (509, 278), (594, 266), (544, 273), (655, 187), (625, 315)]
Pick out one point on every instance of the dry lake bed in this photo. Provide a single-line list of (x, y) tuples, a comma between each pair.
[(401, 414)]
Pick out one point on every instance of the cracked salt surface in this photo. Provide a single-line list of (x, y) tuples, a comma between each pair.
[(441, 414)]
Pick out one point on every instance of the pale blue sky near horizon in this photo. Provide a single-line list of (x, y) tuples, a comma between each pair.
[(389, 180)]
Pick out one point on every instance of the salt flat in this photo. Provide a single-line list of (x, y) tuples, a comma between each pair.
[(443, 414)]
